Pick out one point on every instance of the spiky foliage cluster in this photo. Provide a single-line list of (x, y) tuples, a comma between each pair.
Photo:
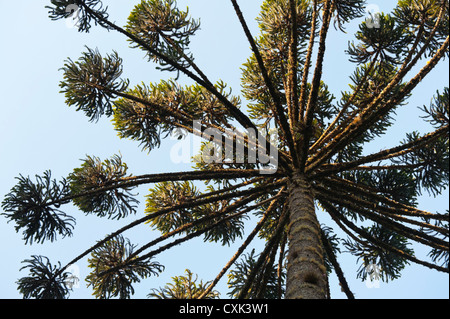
[(372, 197), (94, 174), (90, 83), (165, 29), (85, 9), (33, 206), (388, 263), (183, 287), (156, 110), (227, 224), (45, 281), (113, 274), (268, 282)]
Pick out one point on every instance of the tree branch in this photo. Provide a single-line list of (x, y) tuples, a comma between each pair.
[(234, 111), (368, 209), (307, 64), (336, 215), (273, 201), (367, 117), (312, 100), (292, 80), (166, 210), (329, 169), (279, 111), (268, 248)]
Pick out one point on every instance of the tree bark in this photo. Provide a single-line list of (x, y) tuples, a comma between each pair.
[(306, 272)]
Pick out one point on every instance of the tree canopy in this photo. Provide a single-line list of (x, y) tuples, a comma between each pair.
[(321, 159)]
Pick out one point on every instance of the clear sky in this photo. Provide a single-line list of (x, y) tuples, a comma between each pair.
[(38, 132)]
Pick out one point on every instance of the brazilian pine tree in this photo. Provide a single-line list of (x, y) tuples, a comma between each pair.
[(320, 163)]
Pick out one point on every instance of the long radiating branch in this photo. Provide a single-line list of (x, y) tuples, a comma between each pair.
[(188, 204), (369, 192), (270, 244), (279, 111), (156, 178), (194, 234), (315, 85), (261, 282), (135, 39), (369, 117), (186, 121), (327, 135), (361, 207), (381, 111), (232, 207), (401, 73), (273, 201), (364, 234), (357, 194), (328, 169), (292, 79), (307, 65), (243, 119)]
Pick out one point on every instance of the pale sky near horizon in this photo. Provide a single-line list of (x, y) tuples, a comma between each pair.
[(39, 132)]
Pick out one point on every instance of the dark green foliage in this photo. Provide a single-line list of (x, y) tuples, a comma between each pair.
[(437, 114), (334, 242), (195, 218), (183, 287), (165, 29), (112, 275), (388, 264), (86, 10), (429, 164), (399, 184), (94, 174), (92, 82), (387, 42), (346, 11), (33, 206), (319, 140), (265, 284), (423, 14), (45, 281), (439, 255)]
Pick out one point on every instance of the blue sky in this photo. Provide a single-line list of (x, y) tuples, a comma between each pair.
[(39, 132)]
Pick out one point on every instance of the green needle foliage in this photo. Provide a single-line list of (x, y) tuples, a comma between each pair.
[(265, 284), (113, 275), (390, 264), (94, 174), (45, 281), (165, 29), (183, 287), (322, 154), (88, 83), (33, 206)]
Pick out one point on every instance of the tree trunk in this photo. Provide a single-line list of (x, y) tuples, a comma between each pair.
[(306, 272)]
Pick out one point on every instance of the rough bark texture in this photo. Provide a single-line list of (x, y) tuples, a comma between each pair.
[(306, 273)]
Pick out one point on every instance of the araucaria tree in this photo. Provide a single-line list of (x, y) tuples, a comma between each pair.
[(320, 162)]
